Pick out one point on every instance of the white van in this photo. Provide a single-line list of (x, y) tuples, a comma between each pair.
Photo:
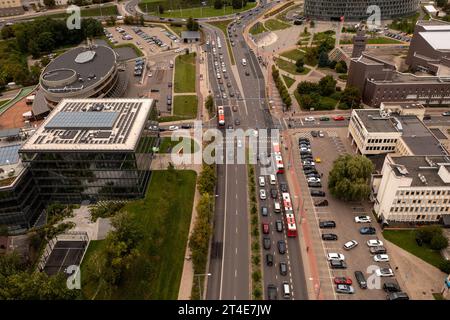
[(273, 180), (244, 62), (286, 290), (262, 181), (277, 207)]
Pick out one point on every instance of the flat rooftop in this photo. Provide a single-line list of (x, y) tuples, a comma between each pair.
[(91, 125), (438, 40), (373, 121), (416, 165), (10, 164)]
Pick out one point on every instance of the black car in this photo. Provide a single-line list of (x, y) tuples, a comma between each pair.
[(329, 237), (308, 167), (266, 243), (185, 126), (303, 140), (269, 259), (317, 193), (281, 247), (272, 292), (274, 193), (378, 250), (426, 117), (237, 122), (279, 225), (397, 296), (338, 264), (327, 224), (391, 287), (264, 211), (283, 268), (311, 171), (321, 203), (314, 185), (367, 230), (361, 279), (305, 153), (314, 133), (283, 187)]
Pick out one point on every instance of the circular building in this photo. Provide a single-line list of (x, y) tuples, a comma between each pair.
[(83, 72), (356, 10)]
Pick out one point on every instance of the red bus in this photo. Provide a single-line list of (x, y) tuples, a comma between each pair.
[(220, 116), (287, 204), (291, 227)]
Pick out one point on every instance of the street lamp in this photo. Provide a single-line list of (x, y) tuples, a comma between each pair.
[(199, 286)]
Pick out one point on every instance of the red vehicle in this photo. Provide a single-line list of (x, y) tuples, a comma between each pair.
[(221, 116), (266, 228), (338, 118), (342, 280), (291, 227)]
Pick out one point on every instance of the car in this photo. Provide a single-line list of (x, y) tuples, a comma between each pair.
[(338, 118), (283, 187), (264, 211), (344, 288), (314, 133), (173, 128), (391, 287), (324, 119), (262, 181), (230, 127), (329, 237), (305, 149), (239, 143), (234, 108), (381, 258), (321, 134), (272, 292), (342, 280), (338, 264), (237, 122), (397, 296), (310, 119), (362, 219), (367, 230), (281, 246), (269, 259), (266, 228), (384, 272), (313, 179), (301, 139), (317, 193), (224, 95), (266, 243), (318, 160), (335, 256), (308, 167), (321, 203), (350, 244), (283, 268), (446, 113), (327, 224), (279, 225), (262, 194), (186, 126), (374, 243), (169, 84), (247, 73), (314, 185), (150, 74), (426, 117), (359, 276), (377, 250), (274, 193)]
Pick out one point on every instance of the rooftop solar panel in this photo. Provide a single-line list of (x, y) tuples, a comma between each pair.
[(83, 120), (9, 154)]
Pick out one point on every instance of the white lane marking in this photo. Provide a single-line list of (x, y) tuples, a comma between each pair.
[(236, 230), (235, 251), (235, 273), (224, 233)]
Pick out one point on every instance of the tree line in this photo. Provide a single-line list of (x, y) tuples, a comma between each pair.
[(281, 88)]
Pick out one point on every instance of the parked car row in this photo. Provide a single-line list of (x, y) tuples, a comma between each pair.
[(139, 67), (309, 166), (149, 39), (399, 36), (109, 36)]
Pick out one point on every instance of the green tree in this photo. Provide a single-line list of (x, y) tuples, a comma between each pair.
[(111, 21), (441, 3), (351, 97), (306, 87), (299, 64), (426, 233), (238, 4), (438, 242), (49, 3), (444, 266), (207, 179), (327, 86), (308, 101), (312, 24), (7, 32), (209, 104), (341, 67), (349, 178), (323, 59), (192, 25), (218, 4)]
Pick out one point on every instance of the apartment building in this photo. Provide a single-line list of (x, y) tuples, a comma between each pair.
[(413, 189), (10, 8)]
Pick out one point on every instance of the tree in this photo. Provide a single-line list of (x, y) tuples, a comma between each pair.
[(141, 20), (323, 59), (7, 32), (218, 4), (307, 87), (439, 242), (341, 67), (441, 3), (161, 9), (349, 178), (49, 3), (351, 97), (300, 65), (312, 24), (209, 104), (111, 21), (444, 266), (128, 20), (327, 86), (192, 25), (427, 233), (207, 179), (308, 101), (238, 4)]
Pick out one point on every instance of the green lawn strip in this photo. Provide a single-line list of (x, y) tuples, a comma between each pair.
[(203, 12), (165, 215), (289, 81), (185, 73), (91, 12), (257, 28), (3, 102), (294, 54), (89, 288), (185, 106), (222, 25), (177, 29), (406, 239), (167, 145), (274, 24), (290, 67), (376, 40)]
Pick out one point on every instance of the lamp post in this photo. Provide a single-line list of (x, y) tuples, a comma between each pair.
[(199, 286)]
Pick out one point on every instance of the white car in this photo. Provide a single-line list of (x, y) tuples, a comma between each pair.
[(173, 128), (218, 76), (150, 74), (309, 119), (313, 179), (262, 194), (374, 243), (308, 163), (321, 134), (335, 256), (350, 244), (239, 144), (262, 181), (362, 219), (305, 149), (384, 272), (255, 132), (381, 258)]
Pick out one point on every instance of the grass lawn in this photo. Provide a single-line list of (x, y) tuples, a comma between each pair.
[(91, 12), (289, 81), (289, 67), (185, 106), (155, 274), (375, 40), (406, 240), (185, 73), (294, 54), (177, 29), (167, 145), (274, 24), (325, 103), (257, 28), (204, 12)]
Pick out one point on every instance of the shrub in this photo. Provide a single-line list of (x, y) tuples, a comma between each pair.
[(438, 242), (444, 266)]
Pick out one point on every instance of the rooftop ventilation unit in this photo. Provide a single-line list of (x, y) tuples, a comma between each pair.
[(430, 162), (402, 170), (422, 178), (398, 125)]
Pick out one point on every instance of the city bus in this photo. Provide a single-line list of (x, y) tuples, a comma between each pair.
[(291, 227), (220, 116)]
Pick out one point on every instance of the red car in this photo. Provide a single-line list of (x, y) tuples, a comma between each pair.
[(338, 118), (342, 280), (265, 227)]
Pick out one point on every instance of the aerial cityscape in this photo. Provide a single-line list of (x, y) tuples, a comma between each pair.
[(225, 150)]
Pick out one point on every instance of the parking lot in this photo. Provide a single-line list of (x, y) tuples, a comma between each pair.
[(333, 143)]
